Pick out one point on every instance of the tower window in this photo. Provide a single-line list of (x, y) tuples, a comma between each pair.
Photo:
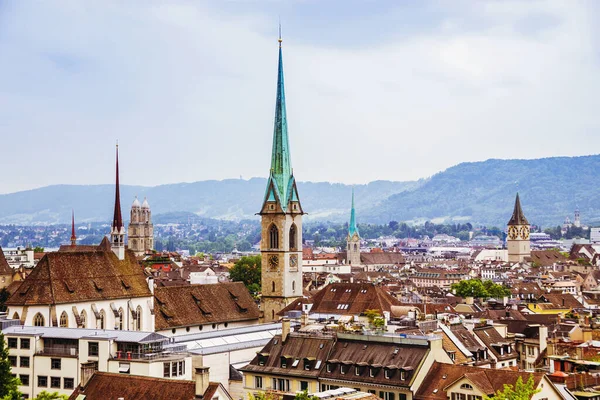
[(273, 286), (293, 286), (293, 237), (355, 247), (273, 237)]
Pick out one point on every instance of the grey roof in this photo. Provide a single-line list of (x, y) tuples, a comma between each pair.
[(228, 332), (80, 333)]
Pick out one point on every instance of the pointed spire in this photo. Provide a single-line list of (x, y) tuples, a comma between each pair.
[(518, 218), (117, 222), (73, 237), (281, 166), (352, 228)]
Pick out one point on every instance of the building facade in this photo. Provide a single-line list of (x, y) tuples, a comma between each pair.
[(518, 235), (281, 220)]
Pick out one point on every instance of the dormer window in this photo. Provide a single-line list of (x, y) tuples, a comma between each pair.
[(342, 370), (402, 375), (387, 373), (283, 362), (329, 368), (357, 371), (372, 372)]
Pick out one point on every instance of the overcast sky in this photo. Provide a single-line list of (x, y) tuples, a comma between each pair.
[(395, 90)]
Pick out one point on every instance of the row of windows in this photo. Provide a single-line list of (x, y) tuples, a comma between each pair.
[(173, 369), (274, 237), (24, 361), (200, 327), (358, 371), (13, 342), (40, 320), (55, 381), (279, 383)]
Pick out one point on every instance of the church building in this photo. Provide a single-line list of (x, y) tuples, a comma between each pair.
[(353, 239), (281, 220), (518, 235)]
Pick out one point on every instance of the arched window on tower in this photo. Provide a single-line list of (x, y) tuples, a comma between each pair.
[(293, 237), (273, 286), (64, 320), (355, 247), (38, 320), (273, 237)]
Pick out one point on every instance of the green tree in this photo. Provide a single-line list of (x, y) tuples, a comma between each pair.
[(51, 396), (247, 270), (305, 396), (38, 249), (8, 384), (4, 295), (520, 391), (495, 290), (470, 288)]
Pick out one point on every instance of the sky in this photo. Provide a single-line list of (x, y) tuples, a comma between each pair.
[(376, 90)]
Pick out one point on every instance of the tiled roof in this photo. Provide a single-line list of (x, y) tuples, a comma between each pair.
[(301, 355), (71, 277), (441, 376), (547, 258), (352, 298), (104, 385), (295, 305), (491, 338), (466, 337), (5, 269), (387, 258), (562, 300), (191, 305)]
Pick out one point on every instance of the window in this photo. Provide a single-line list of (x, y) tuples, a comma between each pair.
[(55, 382), (166, 370), (402, 375), (25, 343), (68, 383), (328, 367), (42, 381), (120, 319), (100, 322), (24, 362), (38, 320), (258, 382), (64, 320), (303, 385), (342, 370), (293, 286), (387, 373), (283, 362), (466, 386), (293, 236), (138, 318), (13, 361), (24, 379), (357, 371), (55, 363), (273, 286), (372, 372), (12, 343), (93, 349), (124, 368), (283, 385), (174, 369), (273, 237), (16, 316)]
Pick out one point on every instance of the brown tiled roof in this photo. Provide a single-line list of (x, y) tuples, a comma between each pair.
[(203, 304), (79, 247), (490, 337), (70, 277), (562, 300), (466, 337), (358, 297), (104, 385), (394, 357), (295, 305), (5, 269), (211, 390), (546, 258), (387, 258), (494, 315), (305, 349), (441, 376)]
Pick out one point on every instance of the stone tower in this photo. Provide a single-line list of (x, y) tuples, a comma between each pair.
[(518, 235), (577, 220), (140, 231), (353, 239), (117, 229), (281, 220)]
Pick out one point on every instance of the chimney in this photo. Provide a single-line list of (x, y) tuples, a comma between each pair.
[(543, 335), (202, 380), (285, 329)]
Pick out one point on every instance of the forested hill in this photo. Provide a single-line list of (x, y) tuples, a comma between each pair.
[(480, 193), (484, 192)]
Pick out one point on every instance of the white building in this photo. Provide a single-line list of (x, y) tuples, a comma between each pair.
[(19, 257), (330, 266), (59, 359), (595, 235)]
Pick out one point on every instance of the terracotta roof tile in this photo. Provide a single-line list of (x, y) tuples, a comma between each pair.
[(356, 297)]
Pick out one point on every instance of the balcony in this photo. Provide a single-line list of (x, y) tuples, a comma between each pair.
[(130, 356), (62, 351)]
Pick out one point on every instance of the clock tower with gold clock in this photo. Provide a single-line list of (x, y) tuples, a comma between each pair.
[(518, 235), (281, 220)]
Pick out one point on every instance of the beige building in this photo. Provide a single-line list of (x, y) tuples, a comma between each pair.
[(141, 230), (518, 235)]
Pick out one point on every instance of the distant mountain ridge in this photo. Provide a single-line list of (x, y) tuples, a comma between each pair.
[(478, 192)]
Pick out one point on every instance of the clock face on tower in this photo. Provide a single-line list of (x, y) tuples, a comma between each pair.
[(273, 261), (513, 232), (524, 232)]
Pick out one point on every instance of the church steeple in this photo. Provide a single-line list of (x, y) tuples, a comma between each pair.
[(117, 231), (73, 237), (518, 218), (352, 228), (281, 187)]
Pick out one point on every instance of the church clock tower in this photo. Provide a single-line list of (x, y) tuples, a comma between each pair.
[(518, 235), (281, 220), (353, 239)]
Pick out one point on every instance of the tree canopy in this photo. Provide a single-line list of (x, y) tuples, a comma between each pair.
[(519, 391), (248, 271), (479, 289)]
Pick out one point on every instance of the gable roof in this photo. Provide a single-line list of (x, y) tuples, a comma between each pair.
[(354, 298), (562, 300), (441, 376), (104, 385), (178, 306), (5, 269), (491, 338), (78, 276)]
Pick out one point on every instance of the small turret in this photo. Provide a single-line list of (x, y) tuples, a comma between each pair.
[(73, 236)]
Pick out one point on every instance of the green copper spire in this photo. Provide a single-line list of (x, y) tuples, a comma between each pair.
[(281, 165), (352, 228)]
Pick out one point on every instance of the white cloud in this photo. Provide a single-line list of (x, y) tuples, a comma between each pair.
[(189, 92)]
